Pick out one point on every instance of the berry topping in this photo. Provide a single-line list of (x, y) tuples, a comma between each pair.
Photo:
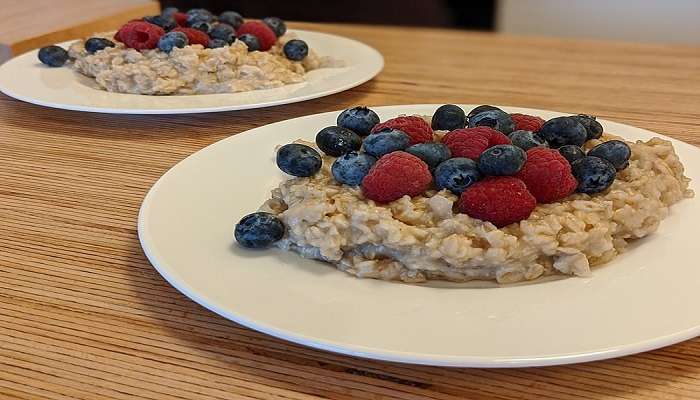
[(336, 141), (456, 174), (360, 120), (471, 142), (396, 175), (496, 119), (298, 160), (615, 151), (223, 32), (415, 127), (501, 200), (296, 50), (594, 129), (448, 118), (203, 26), (166, 23), (53, 56), (171, 40), (561, 131), (250, 41), (431, 153), (94, 45), (547, 175), (277, 25), (140, 35), (231, 18), (502, 159), (480, 109), (258, 230), (194, 36), (169, 12), (594, 174), (350, 168), (199, 15), (385, 142), (526, 140), (180, 19), (265, 35), (571, 153), (217, 43), (524, 122)]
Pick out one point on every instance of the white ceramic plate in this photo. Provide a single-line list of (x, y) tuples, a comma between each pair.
[(645, 299), (25, 78)]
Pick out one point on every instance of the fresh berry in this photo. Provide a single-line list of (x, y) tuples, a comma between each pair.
[(471, 142), (594, 129), (199, 15), (223, 32), (140, 35), (336, 141), (277, 25), (431, 153), (231, 18), (194, 36), (502, 159), (296, 50), (594, 174), (526, 140), (415, 127), (169, 12), (261, 31), (217, 43), (480, 109), (203, 26), (53, 56), (561, 131), (456, 174), (360, 120), (496, 119), (180, 18), (385, 142), (350, 168), (501, 200), (524, 122), (448, 118), (167, 24), (396, 175), (171, 40), (547, 175), (615, 151), (258, 230), (298, 159), (94, 45), (250, 41), (571, 153)]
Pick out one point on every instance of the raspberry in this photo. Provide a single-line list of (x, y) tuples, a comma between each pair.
[(415, 127), (180, 18), (471, 142), (260, 30), (140, 35), (395, 175), (524, 122), (501, 200), (547, 175), (194, 36)]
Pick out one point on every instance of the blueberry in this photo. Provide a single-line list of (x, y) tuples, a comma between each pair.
[(216, 43), (171, 40), (456, 174), (615, 151), (502, 159), (251, 41), (496, 119), (223, 32), (336, 141), (526, 140), (594, 174), (571, 153), (169, 12), (166, 23), (53, 56), (203, 26), (93, 45), (295, 50), (258, 230), (360, 120), (561, 131), (298, 160), (199, 15), (386, 141), (594, 129), (448, 118), (232, 18), (277, 25), (480, 109), (432, 153), (351, 168)]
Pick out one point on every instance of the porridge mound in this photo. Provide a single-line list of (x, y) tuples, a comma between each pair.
[(423, 238)]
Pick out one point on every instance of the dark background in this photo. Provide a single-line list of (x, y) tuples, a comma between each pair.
[(477, 15)]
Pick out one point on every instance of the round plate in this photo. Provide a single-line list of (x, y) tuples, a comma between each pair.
[(25, 78), (642, 300)]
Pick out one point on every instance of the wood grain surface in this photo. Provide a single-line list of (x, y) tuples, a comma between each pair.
[(84, 315)]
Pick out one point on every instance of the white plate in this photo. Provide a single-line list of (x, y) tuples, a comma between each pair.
[(25, 78), (645, 299)]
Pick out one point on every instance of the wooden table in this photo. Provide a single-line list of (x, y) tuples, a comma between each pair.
[(84, 315)]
